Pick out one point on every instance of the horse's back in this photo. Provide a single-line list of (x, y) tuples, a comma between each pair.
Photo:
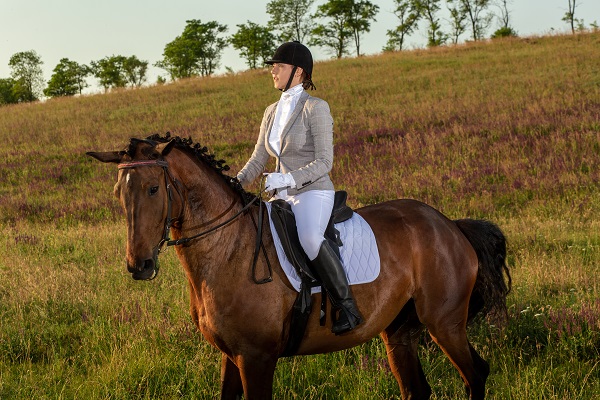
[(395, 222), (412, 220), (406, 209)]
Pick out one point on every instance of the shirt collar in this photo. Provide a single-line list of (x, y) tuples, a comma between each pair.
[(292, 92)]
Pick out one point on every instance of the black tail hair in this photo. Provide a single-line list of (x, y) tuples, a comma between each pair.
[(491, 288)]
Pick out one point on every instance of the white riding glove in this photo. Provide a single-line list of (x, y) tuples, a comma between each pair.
[(275, 180)]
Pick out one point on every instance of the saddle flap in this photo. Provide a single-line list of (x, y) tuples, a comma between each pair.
[(285, 225)]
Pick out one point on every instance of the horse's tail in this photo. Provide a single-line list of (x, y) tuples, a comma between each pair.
[(491, 288)]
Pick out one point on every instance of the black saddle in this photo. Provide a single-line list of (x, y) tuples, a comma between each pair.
[(284, 222)]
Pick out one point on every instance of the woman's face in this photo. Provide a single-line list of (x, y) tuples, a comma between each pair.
[(281, 73)]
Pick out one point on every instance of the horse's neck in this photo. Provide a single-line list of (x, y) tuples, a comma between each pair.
[(209, 202)]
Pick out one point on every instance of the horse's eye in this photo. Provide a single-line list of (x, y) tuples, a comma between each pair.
[(153, 190)]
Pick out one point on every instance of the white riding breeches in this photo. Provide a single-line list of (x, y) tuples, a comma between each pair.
[(312, 210)]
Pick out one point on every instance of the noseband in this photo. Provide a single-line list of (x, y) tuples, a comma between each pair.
[(166, 239)]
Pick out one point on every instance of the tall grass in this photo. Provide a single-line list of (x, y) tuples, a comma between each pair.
[(507, 131)]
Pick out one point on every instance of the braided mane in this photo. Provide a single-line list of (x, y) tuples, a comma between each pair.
[(202, 154)]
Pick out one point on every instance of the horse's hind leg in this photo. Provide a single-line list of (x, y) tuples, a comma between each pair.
[(401, 340), (451, 336)]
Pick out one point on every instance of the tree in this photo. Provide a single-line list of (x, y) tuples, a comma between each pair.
[(504, 16), (479, 22), (135, 71), (361, 13), (457, 21), (408, 14), (197, 51), (119, 71), (27, 73), (7, 94), (291, 18), (505, 29), (179, 59), (429, 9), (504, 32), (335, 34), (254, 42), (68, 79), (569, 16), (110, 72)]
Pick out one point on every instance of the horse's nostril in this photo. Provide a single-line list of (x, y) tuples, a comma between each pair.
[(148, 264)]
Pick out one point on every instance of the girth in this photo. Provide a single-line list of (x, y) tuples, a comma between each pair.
[(284, 222)]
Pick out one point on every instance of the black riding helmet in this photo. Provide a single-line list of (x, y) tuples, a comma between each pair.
[(296, 54)]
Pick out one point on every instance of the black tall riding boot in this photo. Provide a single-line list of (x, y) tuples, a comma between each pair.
[(330, 270)]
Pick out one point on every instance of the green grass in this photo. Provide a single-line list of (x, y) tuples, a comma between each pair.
[(507, 131)]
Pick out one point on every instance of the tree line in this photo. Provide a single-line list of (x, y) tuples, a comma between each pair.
[(336, 26)]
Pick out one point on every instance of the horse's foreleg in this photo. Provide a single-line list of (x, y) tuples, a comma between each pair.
[(231, 381), (401, 340), (257, 376)]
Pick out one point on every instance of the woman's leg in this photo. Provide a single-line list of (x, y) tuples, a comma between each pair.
[(312, 210)]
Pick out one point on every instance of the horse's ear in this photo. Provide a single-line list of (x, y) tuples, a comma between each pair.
[(107, 156), (165, 148)]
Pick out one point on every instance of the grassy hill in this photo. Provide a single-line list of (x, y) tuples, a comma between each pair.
[(507, 131)]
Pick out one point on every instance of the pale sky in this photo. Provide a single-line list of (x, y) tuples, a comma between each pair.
[(86, 30)]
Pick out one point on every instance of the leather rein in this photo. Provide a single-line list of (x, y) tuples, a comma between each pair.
[(166, 237)]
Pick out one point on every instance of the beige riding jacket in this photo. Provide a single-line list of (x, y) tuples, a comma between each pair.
[(306, 146)]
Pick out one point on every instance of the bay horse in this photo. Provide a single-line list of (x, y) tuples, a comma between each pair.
[(435, 273)]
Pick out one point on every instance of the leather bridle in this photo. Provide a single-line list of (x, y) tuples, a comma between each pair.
[(166, 237)]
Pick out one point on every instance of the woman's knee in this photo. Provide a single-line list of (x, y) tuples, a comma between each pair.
[(311, 244)]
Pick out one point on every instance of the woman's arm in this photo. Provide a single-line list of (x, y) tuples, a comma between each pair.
[(256, 164), (321, 129)]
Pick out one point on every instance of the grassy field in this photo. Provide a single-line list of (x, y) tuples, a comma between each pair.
[(507, 131)]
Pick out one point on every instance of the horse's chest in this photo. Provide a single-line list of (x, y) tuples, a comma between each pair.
[(211, 323)]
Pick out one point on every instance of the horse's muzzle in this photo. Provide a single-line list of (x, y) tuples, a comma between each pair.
[(144, 269)]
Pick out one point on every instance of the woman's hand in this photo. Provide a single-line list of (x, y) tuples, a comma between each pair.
[(275, 180)]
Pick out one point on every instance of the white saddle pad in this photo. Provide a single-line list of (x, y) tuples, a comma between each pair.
[(359, 253)]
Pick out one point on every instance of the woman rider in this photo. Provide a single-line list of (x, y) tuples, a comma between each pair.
[(298, 131)]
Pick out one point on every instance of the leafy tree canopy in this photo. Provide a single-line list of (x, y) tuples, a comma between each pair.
[(109, 71), (474, 10), (26, 70), (429, 10), (254, 42), (291, 18), (118, 71), (335, 34), (408, 14), (135, 71), (68, 79), (7, 95), (197, 51), (360, 15)]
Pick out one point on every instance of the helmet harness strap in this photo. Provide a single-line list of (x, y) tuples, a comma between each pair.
[(289, 82)]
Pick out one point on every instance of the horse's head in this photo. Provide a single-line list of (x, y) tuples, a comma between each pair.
[(143, 190)]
